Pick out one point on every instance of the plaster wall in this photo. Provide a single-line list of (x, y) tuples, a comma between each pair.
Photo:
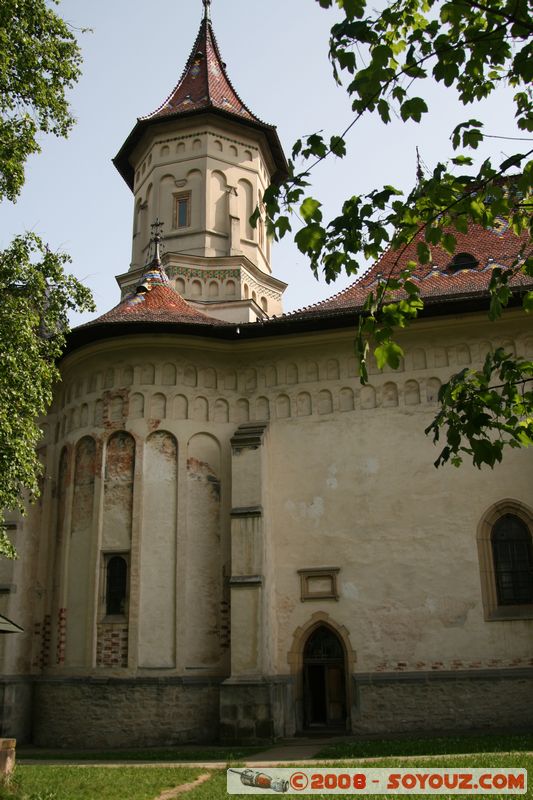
[(226, 168), (343, 479)]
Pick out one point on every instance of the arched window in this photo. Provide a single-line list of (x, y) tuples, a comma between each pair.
[(116, 585), (513, 561), (505, 548)]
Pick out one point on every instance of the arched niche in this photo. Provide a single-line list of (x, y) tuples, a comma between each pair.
[(325, 402), (116, 408), (332, 369), (219, 209), (368, 397), (432, 390), (221, 412), (246, 208), (242, 410), (118, 491), (389, 395), (190, 377), (204, 488), (292, 374), (200, 409), (283, 406), (147, 374), (303, 404), (168, 377), (157, 609), (80, 556), (180, 407), (346, 399), (136, 406), (262, 408), (158, 406), (167, 187), (411, 393)]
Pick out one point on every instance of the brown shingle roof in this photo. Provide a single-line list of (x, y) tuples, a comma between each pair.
[(204, 83), (159, 304), (437, 281), (203, 87)]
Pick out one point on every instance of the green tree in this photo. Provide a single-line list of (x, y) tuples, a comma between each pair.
[(381, 57), (39, 60)]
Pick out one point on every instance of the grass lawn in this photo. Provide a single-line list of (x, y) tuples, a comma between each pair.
[(40, 782), (94, 783), (215, 788), (442, 745)]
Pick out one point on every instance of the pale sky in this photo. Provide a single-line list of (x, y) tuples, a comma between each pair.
[(276, 55)]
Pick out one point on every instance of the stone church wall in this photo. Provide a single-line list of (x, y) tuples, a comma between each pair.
[(335, 514), (124, 713)]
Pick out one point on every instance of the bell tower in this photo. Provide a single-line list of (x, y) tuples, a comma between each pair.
[(200, 163)]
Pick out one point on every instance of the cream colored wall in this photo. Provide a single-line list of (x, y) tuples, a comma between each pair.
[(345, 479), (225, 167)]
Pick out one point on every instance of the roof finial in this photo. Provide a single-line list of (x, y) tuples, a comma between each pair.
[(207, 10), (156, 239)]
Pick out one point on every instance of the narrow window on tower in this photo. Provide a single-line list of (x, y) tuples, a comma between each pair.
[(182, 210), (116, 595)]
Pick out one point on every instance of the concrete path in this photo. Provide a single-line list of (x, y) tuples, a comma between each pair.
[(289, 751)]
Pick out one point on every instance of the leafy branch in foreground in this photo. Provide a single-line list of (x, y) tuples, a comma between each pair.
[(36, 297), (39, 60), (382, 56), (489, 408)]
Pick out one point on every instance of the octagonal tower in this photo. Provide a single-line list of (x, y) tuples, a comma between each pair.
[(201, 163)]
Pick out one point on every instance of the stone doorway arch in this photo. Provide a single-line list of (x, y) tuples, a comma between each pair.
[(322, 662), (324, 681)]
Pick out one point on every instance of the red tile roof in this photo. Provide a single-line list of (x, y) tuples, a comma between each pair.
[(160, 303), (204, 83), (203, 87), (490, 248)]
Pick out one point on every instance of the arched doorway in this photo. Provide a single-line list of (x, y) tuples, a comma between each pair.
[(324, 680)]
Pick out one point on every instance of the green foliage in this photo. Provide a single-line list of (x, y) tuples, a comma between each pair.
[(36, 297), (39, 60), (381, 57), (483, 411)]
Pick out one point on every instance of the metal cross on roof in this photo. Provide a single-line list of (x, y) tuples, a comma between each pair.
[(207, 9), (156, 238)]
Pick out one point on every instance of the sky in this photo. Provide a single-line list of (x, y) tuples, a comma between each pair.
[(276, 56)]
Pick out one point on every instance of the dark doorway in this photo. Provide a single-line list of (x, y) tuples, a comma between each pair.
[(324, 681)]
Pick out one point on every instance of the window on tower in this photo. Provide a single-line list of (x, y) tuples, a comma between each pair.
[(182, 210)]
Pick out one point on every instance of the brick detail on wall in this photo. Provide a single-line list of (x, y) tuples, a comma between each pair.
[(454, 665), (112, 644), (61, 635), (225, 625), (42, 632)]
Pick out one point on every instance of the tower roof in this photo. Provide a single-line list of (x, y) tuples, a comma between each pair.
[(154, 301), (204, 83), (204, 86)]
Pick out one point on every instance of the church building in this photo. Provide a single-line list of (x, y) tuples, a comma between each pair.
[(235, 539)]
